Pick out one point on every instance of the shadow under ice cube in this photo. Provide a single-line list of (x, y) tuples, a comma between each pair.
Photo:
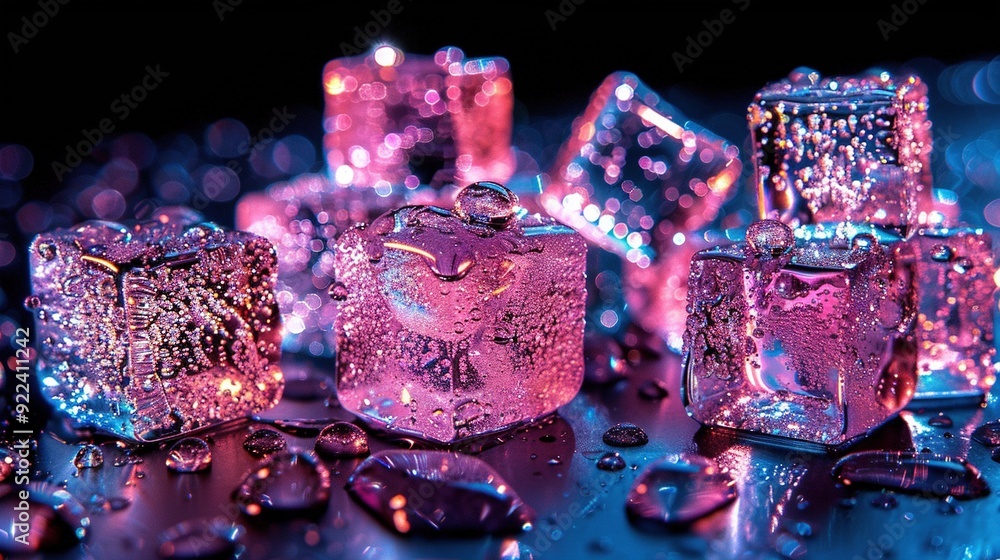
[(157, 328), (458, 323), (802, 338)]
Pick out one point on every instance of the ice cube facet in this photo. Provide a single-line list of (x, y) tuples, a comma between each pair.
[(156, 328), (395, 121), (458, 323), (802, 337), (955, 297), (851, 149)]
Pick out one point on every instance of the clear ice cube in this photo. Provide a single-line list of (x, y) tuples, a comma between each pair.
[(155, 328), (803, 336), (396, 120), (458, 323), (955, 305), (853, 148)]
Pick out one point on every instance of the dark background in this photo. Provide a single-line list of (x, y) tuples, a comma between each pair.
[(265, 55)]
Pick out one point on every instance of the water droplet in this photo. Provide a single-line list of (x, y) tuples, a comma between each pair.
[(189, 455), (547, 438), (341, 440), (864, 242), (99, 503), (949, 506), (338, 291), (58, 521), (988, 434), (89, 457), (963, 265), (803, 529), (486, 203), (611, 462), (601, 545), (769, 238), (263, 442), (678, 491), (287, 482), (437, 492), (199, 539), (32, 302), (625, 434), (912, 472), (942, 253), (653, 390), (885, 500), (301, 427), (941, 421)]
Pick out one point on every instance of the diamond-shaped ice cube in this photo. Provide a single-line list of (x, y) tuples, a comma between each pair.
[(395, 121), (152, 329), (458, 323), (954, 327), (635, 177), (853, 148), (805, 338)]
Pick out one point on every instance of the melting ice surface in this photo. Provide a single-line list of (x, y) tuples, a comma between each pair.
[(675, 492), (437, 492), (288, 482), (921, 473)]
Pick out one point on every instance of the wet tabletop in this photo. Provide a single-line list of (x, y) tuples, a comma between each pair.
[(788, 503)]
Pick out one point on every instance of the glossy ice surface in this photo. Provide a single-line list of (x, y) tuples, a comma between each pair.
[(853, 148), (395, 121), (803, 338), (955, 296), (453, 324), (155, 328)]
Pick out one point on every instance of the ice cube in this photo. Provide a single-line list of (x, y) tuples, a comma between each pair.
[(787, 333), (155, 328), (853, 148), (635, 177), (458, 323), (954, 327), (395, 121)]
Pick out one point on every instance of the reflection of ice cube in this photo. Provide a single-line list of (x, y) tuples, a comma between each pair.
[(157, 328), (954, 327), (450, 328), (786, 342)]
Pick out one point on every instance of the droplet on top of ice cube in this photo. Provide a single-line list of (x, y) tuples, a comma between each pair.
[(676, 491), (467, 496), (486, 203), (912, 472), (769, 238), (189, 455)]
